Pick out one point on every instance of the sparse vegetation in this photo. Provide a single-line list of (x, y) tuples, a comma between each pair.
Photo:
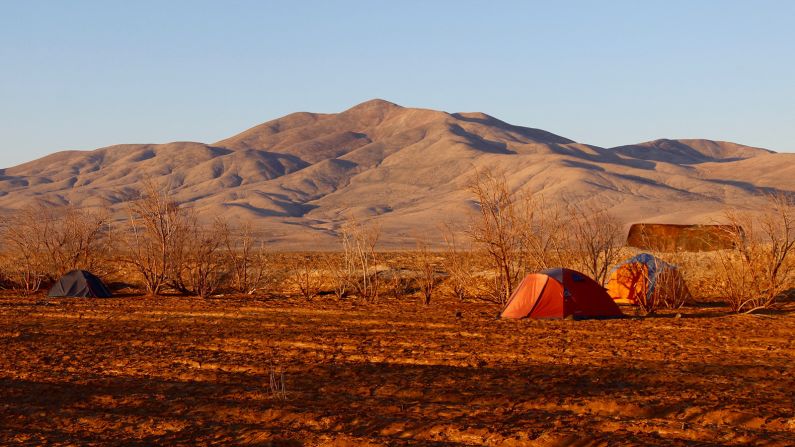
[(247, 258), (459, 263), (425, 266), (201, 266), (157, 227), (277, 383), (305, 277), (42, 243), (762, 265), (669, 289), (342, 274), (400, 282), (500, 231), (547, 241), (595, 240), (521, 234), (359, 243), (167, 247)]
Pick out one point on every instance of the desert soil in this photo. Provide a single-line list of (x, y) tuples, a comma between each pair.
[(183, 371)]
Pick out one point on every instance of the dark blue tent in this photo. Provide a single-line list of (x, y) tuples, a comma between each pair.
[(79, 283)]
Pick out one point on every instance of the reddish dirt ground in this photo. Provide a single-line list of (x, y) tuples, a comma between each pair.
[(182, 371)]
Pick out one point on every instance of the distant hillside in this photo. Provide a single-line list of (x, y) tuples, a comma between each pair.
[(298, 176)]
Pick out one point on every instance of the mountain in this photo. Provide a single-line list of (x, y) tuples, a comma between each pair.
[(298, 177)]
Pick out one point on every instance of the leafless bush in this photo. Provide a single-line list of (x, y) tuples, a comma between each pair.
[(639, 274), (521, 233), (359, 248), (201, 265), (342, 273), (42, 243), (596, 240), (700, 272), (500, 231), (157, 226), (24, 260), (671, 291), (665, 289), (248, 261), (673, 282), (277, 384), (304, 276), (399, 283), (761, 267), (80, 240), (546, 240), (425, 265), (459, 263)]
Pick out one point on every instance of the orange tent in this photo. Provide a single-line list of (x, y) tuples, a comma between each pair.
[(559, 293), (646, 278)]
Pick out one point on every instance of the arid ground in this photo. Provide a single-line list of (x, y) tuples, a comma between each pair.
[(185, 371)]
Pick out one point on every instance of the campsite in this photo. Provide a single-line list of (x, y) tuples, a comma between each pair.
[(534, 324), (190, 334), (413, 223)]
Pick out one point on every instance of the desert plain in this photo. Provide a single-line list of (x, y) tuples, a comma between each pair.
[(272, 370)]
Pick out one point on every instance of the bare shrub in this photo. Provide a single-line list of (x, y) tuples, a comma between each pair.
[(639, 274), (761, 266), (500, 231), (342, 273), (425, 265), (42, 243), (304, 276), (399, 284), (201, 266), (24, 260), (276, 382), (459, 263), (359, 243), (157, 226), (24, 277), (596, 238), (80, 239), (519, 233), (668, 289), (546, 241), (671, 291), (700, 272), (674, 285), (247, 260)]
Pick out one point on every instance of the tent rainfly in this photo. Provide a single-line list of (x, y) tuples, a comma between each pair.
[(79, 283), (560, 293)]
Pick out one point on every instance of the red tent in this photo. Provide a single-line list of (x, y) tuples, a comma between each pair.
[(559, 293)]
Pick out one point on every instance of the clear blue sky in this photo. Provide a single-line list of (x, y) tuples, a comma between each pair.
[(85, 74)]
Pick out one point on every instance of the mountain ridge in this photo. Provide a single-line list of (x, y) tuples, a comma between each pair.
[(300, 175)]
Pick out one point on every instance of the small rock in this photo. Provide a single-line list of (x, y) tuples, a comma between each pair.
[(678, 316)]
